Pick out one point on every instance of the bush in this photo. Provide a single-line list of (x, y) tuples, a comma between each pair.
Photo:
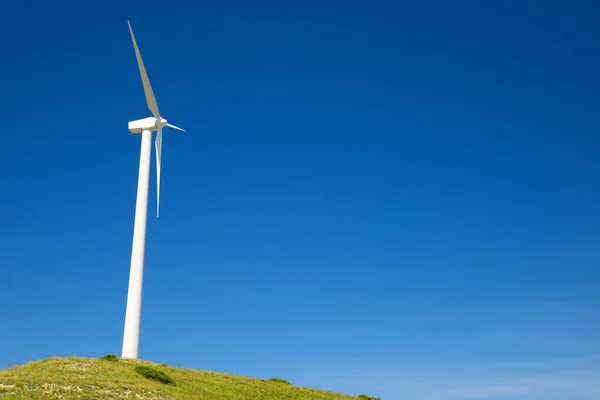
[(278, 380), (365, 397), (152, 373), (110, 357)]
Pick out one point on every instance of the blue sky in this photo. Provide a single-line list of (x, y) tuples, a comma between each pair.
[(391, 198)]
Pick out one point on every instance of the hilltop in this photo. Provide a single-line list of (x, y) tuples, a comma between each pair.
[(112, 378)]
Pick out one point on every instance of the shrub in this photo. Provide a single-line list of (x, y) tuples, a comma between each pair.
[(365, 397), (110, 357), (279, 380), (152, 373)]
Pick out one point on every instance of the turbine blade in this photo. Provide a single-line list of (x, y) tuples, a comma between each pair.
[(145, 81), (158, 154), (175, 127)]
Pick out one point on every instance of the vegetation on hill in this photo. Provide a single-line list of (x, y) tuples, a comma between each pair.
[(112, 378), (279, 380), (365, 397)]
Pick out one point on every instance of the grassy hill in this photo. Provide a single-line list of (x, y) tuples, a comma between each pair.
[(113, 378)]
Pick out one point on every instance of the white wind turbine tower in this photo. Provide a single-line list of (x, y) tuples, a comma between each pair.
[(146, 126)]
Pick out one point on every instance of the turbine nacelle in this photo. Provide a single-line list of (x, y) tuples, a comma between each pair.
[(151, 123)]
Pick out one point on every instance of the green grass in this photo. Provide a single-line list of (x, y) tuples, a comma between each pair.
[(279, 380), (109, 378), (148, 371)]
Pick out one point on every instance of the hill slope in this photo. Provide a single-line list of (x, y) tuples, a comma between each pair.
[(91, 379)]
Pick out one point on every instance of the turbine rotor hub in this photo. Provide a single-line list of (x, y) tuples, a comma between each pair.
[(160, 122)]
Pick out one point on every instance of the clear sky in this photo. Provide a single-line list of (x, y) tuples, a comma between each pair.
[(392, 198)]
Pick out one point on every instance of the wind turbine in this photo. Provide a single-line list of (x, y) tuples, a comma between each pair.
[(145, 126)]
